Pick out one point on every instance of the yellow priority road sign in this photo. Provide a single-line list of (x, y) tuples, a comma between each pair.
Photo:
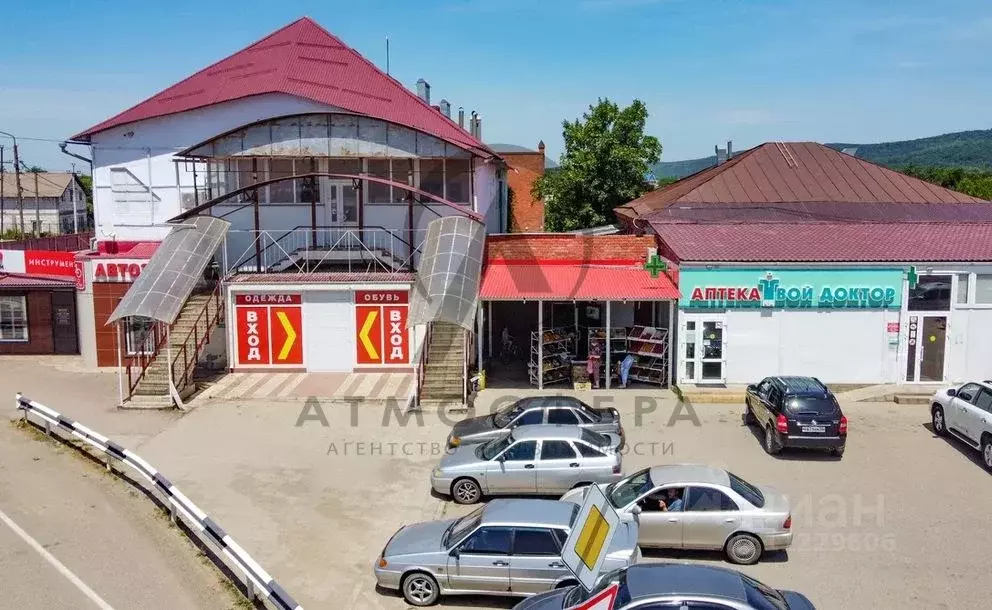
[(589, 541)]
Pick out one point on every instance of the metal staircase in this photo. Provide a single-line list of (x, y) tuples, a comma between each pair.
[(443, 376)]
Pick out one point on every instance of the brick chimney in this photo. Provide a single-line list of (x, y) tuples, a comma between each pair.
[(424, 90)]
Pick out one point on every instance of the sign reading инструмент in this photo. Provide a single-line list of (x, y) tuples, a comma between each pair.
[(791, 288)]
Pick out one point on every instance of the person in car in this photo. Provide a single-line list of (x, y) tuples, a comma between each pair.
[(673, 501)]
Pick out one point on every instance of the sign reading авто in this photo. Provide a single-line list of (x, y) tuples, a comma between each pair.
[(792, 288), (589, 541)]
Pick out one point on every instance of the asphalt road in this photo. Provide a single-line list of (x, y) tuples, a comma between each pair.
[(73, 537)]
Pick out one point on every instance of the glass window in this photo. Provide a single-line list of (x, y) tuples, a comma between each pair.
[(349, 203), (523, 451), (963, 288), (402, 172), (494, 447), (534, 416), (811, 405), (557, 450), (984, 400), (140, 335), (708, 499), (588, 451), (346, 165), (378, 193), (534, 542), (562, 416), (432, 176), (307, 189), (983, 289), (747, 491), (561, 536), (457, 180), (461, 527), (626, 491), (488, 541), (285, 191), (595, 438), (932, 293), (968, 392), (13, 318)]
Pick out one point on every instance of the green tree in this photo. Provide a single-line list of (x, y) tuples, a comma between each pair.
[(970, 182), (606, 159)]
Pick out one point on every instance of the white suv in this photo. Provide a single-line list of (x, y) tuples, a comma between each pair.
[(966, 412)]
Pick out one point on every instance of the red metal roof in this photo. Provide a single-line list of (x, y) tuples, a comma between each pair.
[(565, 282), (17, 280), (821, 212), (796, 172), (827, 242), (305, 60)]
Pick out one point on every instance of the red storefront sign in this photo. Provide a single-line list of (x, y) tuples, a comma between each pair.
[(118, 270), (892, 327), (380, 324), (38, 262), (269, 329), (79, 269)]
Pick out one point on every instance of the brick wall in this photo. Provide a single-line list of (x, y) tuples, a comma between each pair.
[(524, 169), (105, 300), (568, 247), (39, 325)]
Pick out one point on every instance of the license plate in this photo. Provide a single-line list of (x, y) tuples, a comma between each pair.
[(814, 428)]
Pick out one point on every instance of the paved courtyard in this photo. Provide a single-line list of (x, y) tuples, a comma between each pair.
[(900, 521)]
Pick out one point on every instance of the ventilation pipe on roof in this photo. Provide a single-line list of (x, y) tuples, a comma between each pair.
[(721, 155), (461, 117), (478, 127), (424, 90), (730, 150), (445, 108), (471, 123)]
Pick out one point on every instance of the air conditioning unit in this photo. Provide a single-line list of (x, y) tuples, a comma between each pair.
[(188, 202)]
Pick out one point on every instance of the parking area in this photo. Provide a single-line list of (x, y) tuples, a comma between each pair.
[(314, 490)]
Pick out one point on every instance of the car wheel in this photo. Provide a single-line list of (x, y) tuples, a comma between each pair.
[(987, 452), (772, 444), (938, 421), (744, 549), (466, 491), (748, 415), (420, 589)]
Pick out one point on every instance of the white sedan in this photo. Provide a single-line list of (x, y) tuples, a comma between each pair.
[(965, 412)]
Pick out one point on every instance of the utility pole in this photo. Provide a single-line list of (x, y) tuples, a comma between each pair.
[(2, 181), (75, 221), (17, 185), (37, 208)]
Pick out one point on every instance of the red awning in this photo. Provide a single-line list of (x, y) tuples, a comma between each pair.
[(572, 282)]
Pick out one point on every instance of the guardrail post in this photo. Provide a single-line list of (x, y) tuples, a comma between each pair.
[(250, 589), (48, 427), (172, 511)]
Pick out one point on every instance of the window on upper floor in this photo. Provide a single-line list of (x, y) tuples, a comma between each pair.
[(983, 288), (376, 191), (432, 176), (284, 191), (457, 180)]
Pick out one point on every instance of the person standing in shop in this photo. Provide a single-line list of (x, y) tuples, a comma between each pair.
[(625, 365), (592, 365)]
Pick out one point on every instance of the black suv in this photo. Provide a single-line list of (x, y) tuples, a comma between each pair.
[(796, 412)]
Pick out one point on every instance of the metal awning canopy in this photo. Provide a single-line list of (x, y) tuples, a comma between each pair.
[(173, 271), (447, 286)]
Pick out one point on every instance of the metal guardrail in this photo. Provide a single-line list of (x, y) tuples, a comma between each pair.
[(257, 581)]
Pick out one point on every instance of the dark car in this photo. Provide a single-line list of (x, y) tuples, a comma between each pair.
[(674, 586), (796, 412), (563, 410)]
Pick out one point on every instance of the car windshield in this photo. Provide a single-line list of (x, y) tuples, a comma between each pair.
[(505, 415), (812, 405), (595, 439), (578, 595), (460, 528), (626, 491), (760, 595), (494, 447), (747, 491)]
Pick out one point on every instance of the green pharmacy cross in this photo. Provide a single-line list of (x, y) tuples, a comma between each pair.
[(912, 278), (655, 265)]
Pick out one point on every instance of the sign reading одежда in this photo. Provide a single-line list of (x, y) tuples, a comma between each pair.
[(269, 329), (380, 326), (589, 541)]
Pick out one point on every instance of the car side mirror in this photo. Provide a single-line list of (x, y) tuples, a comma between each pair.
[(636, 509), (752, 388), (952, 392)]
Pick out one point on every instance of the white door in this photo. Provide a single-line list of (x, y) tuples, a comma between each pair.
[(329, 331), (702, 349)]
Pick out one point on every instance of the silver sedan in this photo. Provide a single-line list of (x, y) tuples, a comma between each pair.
[(542, 460), (506, 547), (698, 507)]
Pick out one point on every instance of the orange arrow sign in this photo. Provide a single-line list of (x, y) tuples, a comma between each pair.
[(363, 335), (290, 334)]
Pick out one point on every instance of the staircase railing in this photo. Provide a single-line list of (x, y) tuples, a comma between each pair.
[(137, 363), (421, 367), (186, 357)]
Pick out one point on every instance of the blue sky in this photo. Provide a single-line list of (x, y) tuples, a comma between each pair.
[(708, 70)]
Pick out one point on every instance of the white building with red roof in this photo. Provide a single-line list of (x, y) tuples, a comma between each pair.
[(327, 170)]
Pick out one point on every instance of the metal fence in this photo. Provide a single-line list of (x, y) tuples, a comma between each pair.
[(257, 582), (72, 242)]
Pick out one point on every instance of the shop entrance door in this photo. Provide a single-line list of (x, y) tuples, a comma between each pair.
[(64, 336), (926, 348), (702, 350)]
